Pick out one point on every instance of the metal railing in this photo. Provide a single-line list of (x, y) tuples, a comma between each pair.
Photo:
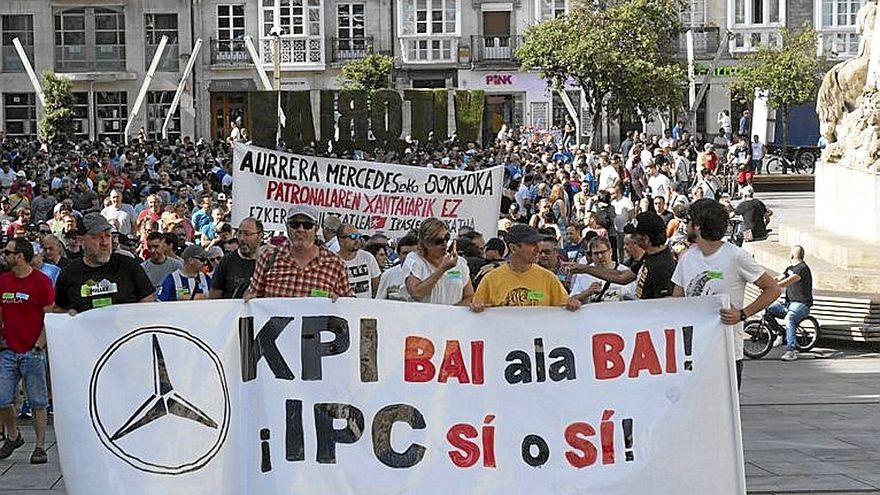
[(344, 49), (429, 49), (495, 49), (229, 53)]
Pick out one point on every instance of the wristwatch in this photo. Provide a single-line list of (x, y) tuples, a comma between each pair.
[(742, 315)]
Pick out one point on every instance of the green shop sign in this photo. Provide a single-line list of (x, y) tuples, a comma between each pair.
[(720, 71)]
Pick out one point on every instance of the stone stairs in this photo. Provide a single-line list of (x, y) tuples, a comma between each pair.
[(846, 278)]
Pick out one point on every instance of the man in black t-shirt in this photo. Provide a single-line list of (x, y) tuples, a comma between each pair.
[(233, 274), (755, 215), (654, 272), (101, 277), (797, 280)]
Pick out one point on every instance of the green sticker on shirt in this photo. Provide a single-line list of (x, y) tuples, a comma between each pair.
[(535, 295), (102, 302), (454, 274), (319, 293), (715, 274)]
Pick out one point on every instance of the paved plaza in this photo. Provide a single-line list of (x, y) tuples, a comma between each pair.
[(811, 426)]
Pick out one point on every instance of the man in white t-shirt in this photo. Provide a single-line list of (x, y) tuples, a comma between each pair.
[(712, 266), (588, 288), (660, 184), (363, 270), (608, 176), (392, 283)]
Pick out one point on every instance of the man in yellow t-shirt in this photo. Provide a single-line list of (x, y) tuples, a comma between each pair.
[(521, 282)]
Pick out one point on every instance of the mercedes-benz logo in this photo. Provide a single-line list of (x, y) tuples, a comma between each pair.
[(156, 424)]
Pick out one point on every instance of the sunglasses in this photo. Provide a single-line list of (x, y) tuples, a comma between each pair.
[(203, 260), (442, 240), (295, 224), (355, 236)]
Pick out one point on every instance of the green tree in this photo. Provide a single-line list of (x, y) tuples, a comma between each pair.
[(371, 73), (57, 124), (620, 52), (789, 75)]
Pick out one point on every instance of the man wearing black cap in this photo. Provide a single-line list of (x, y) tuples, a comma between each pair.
[(188, 282), (654, 272), (100, 278), (522, 282)]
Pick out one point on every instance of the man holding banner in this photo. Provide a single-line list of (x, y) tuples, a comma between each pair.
[(521, 282), (299, 267), (712, 266)]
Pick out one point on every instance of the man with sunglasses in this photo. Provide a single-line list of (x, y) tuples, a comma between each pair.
[(363, 270), (188, 282), (26, 295), (299, 267)]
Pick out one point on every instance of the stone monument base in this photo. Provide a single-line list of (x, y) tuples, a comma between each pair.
[(848, 202), (846, 275)]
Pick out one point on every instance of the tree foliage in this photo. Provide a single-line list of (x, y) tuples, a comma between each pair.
[(790, 75), (371, 73), (620, 52), (57, 124)]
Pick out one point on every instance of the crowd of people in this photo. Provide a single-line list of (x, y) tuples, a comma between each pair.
[(97, 225)]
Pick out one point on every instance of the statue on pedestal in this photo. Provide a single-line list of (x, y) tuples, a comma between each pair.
[(848, 103)]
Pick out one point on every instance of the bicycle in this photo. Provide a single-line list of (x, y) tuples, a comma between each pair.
[(798, 160), (761, 333)]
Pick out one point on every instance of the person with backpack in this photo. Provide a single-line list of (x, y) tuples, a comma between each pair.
[(189, 282)]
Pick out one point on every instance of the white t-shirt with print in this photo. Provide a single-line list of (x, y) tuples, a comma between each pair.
[(449, 288), (392, 285), (615, 292), (361, 269), (726, 271)]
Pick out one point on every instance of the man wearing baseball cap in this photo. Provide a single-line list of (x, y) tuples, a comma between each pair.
[(654, 272), (522, 282), (188, 282), (101, 277), (299, 267)]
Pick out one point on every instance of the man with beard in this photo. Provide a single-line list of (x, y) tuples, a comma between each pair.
[(712, 266), (233, 274), (100, 278)]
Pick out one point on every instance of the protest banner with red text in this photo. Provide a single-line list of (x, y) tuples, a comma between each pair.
[(371, 196), (353, 397)]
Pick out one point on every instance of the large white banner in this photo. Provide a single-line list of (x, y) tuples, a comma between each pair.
[(371, 196), (308, 396)]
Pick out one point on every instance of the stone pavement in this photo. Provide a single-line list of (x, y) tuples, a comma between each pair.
[(811, 426)]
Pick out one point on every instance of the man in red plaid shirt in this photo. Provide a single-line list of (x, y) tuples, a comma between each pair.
[(299, 267)]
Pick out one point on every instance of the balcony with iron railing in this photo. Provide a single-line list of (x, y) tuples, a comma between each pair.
[(706, 40), (750, 38), (296, 51), (231, 54), (345, 49), (495, 50), (434, 49)]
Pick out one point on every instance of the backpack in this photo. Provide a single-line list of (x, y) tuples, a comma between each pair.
[(603, 216)]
